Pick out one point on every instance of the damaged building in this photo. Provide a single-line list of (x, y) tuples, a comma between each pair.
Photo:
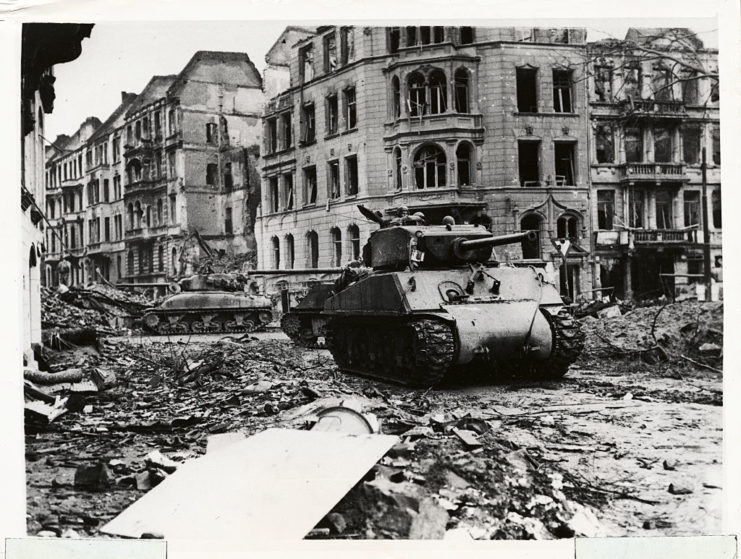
[(174, 162), (651, 116), (488, 125)]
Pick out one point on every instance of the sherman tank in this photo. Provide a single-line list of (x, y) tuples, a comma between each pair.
[(437, 301), (209, 303)]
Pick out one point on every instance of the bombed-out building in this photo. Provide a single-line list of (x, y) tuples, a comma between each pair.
[(654, 108), (488, 125)]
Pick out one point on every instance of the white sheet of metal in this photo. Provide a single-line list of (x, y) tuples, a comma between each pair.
[(275, 485)]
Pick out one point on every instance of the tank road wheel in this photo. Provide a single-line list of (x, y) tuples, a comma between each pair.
[(568, 342), (207, 325), (151, 321), (291, 326)]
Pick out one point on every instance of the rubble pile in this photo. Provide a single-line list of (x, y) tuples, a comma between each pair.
[(671, 332)]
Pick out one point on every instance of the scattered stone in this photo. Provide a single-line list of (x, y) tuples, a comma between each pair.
[(670, 464), (93, 478), (337, 523), (679, 489), (710, 350), (467, 437), (46, 534)]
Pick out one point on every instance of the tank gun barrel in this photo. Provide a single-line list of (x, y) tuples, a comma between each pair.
[(473, 244)]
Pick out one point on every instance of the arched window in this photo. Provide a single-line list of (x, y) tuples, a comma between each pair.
[(137, 215), (397, 168), (161, 258), (463, 156), (567, 227), (174, 261), (130, 263), (417, 94), (335, 237), (312, 241), (531, 249), (290, 256), (149, 216), (461, 91), (353, 239), (275, 243), (130, 215), (437, 92), (429, 167), (159, 212), (396, 104)]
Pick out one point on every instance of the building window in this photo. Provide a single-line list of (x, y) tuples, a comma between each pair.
[(429, 167), (662, 145), (691, 144), (287, 130), (130, 215), (633, 145), (531, 249), (149, 216), (604, 143), (394, 39), (416, 94), (691, 208), (211, 133), (107, 228), (397, 168), (271, 141), (461, 91), (562, 93), (174, 261), (228, 179), (528, 153), (173, 209), (350, 108), (396, 99), (690, 93), (138, 130), (211, 172), (333, 176), (351, 175), (632, 81), (312, 241), (290, 256), (309, 124), (332, 114), (273, 194), (664, 214), (310, 185), (463, 161), (565, 167), (130, 262), (336, 239), (353, 239), (661, 84), (347, 45), (567, 227), (276, 252), (466, 35), (159, 212), (635, 219), (306, 63), (228, 225), (527, 98), (437, 92), (288, 191), (411, 36), (106, 190), (160, 258), (717, 213), (716, 145), (330, 53), (605, 209), (603, 83)]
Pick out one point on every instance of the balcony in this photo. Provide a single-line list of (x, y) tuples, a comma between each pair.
[(444, 124), (143, 233), (650, 108), (138, 147), (646, 238), (653, 172), (138, 185)]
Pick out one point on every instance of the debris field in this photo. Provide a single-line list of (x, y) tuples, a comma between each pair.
[(628, 443)]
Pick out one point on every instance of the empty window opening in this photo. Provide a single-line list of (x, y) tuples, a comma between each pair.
[(287, 130), (310, 185), (330, 53), (347, 45), (332, 114), (424, 35), (603, 83), (429, 167), (411, 36), (691, 208), (531, 249), (228, 179), (463, 163), (632, 82), (717, 213), (562, 92), (351, 175), (336, 240), (633, 145), (211, 173), (312, 240), (306, 63), (397, 168), (276, 252), (528, 163), (691, 139), (272, 135), (174, 261), (211, 133), (394, 39), (290, 256), (567, 227), (664, 206), (565, 167), (527, 99), (228, 226), (461, 91), (690, 92), (416, 94), (438, 34), (353, 238), (605, 209), (273, 194), (636, 209), (334, 179), (604, 143), (437, 92), (288, 191), (309, 124), (662, 145), (466, 34), (716, 145), (350, 108), (661, 84), (396, 99)]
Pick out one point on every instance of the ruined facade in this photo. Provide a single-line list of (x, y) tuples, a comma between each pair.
[(178, 158), (443, 120), (650, 118)]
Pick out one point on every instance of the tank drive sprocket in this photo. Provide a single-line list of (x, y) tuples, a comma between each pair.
[(299, 329), (568, 343), (417, 351)]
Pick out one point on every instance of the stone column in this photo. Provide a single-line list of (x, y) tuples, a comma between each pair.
[(627, 279)]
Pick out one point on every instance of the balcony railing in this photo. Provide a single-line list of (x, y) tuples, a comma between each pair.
[(652, 108), (654, 171), (663, 236)]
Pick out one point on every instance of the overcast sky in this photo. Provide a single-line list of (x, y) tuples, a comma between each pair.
[(124, 56)]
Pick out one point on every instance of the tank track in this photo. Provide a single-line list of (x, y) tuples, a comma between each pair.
[(294, 326), (416, 352), (568, 341), (200, 323)]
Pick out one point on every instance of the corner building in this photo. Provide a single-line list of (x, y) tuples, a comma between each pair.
[(443, 120)]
